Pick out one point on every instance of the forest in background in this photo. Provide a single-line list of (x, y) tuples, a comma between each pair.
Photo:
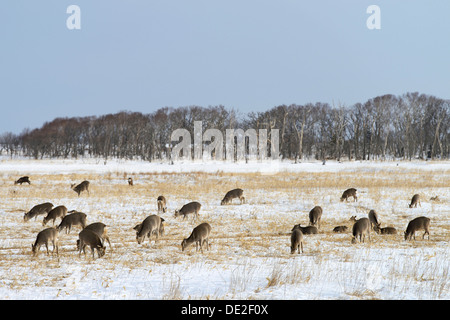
[(407, 126)]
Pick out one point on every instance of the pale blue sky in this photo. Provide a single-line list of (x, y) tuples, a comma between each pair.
[(250, 55)]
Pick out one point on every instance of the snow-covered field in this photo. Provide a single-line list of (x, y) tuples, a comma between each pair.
[(250, 254)]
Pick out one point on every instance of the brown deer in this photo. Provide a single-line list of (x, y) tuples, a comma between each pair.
[(199, 235), (415, 199), (192, 207), (21, 180), (162, 204), (43, 208), (98, 228), (151, 225), (387, 230), (83, 186), (373, 218), (420, 223), (43, 237), (75, 218), (56, 212), (130, 182), (306, 230), (296, 240), (360, 229), (90, 238), (315, 215), (349, 193), (232, 194), (340, 229)]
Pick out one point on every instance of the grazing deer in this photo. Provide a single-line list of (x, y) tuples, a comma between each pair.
[(315, 215), (349, 193), (436, 198), (373, 218), (191, 207), (98, 228), (420, 223), (73, 219), (151, 224), (199, 235), (232, 194), (162, 204), (306, 230), (296, 240), (339, 229), (130, 181), (43, 208), (43, 237), (415, 199), (360, 228), (83, 186), (24, 179), (56, 212), (90, 238), (387, 230)]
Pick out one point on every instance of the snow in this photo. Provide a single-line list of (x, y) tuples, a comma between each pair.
[(254, 263)]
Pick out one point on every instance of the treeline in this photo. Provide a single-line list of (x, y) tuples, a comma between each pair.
[(409, 126)]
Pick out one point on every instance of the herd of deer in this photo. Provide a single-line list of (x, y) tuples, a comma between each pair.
[(95, 234)]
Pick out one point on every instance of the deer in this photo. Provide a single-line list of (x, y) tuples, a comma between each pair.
[(83, 186), (200, 234), (57, 212), (232, 194), (296, 240), (361, 227), (98, 228), (373, 218), (386, 230), (306, 230), (349, 193), (315, 215), (162, 204), (151, 224), (43, 238), (192, 207), (130, 182), (72, 219), (420, 223), (24, 179), (43, 208), (415, 199), (340, 229), (90, 238)]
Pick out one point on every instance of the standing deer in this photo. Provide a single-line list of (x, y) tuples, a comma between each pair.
[(83, 186), (360, 228), (43, 237), (130, 181), (73, 219), (373, 218), (296, 240), (415, 199), (90, 238), (420, 223), (162, 204), (315, 215), (56, 212), (43, 208), (21, 180), (349, 193), (199, 235), (151, 224), (99, 229), (306, 230), (232, 194), (192, 207)]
